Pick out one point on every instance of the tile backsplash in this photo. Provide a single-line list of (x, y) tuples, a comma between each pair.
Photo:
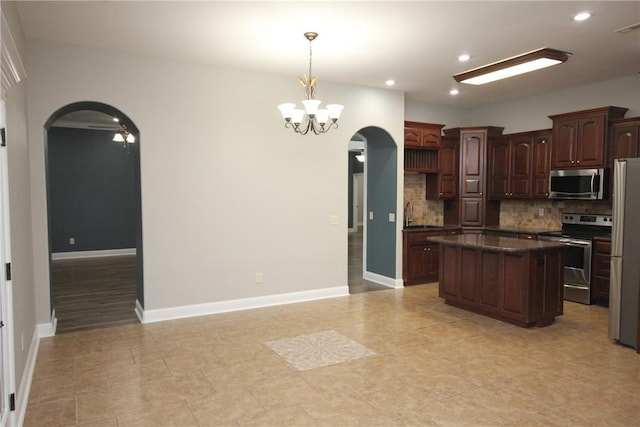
[(526, 213), (425, 212), (513, 213)]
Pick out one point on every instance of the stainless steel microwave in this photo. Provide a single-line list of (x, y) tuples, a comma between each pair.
[(577, 184)]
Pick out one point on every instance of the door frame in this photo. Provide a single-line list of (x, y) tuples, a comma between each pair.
[(7, 344)]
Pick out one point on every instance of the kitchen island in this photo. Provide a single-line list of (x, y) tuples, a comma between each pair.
[(514, 280)]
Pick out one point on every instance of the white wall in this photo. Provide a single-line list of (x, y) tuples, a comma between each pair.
[(226, 190), (449, 116), (24, 320), (532, 113)]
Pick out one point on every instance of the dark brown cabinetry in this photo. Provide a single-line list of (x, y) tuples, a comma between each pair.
[(523, 287), (472, 208), (421, 258), (519, 165), (541, 164), (422, 147), (601, 268), (625, 138), (444, 185), (510, 167), (579, 138), (422, 135)]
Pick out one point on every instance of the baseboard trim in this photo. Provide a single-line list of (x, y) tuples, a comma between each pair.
[(162, 314), (383, 280), (48, 329), (22, 397), (93, 254)]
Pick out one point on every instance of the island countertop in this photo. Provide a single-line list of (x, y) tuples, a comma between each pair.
[(497, 243)]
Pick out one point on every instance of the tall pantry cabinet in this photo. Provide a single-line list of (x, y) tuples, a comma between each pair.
[(472, 208)]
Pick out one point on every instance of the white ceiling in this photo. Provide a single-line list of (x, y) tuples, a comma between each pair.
[(363, 43)]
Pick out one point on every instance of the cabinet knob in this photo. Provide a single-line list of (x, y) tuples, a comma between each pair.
[(510, 194), (573, 161), (543, 142), (441, 194), (428, 249), (578, 161), (481, 193)]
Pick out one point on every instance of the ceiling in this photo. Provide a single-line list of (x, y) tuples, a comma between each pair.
[(362, 43)]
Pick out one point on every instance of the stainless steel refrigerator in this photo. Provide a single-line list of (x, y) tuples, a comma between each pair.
[(625, 252)]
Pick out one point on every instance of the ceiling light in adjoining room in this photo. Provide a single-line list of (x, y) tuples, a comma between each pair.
[(516, 65), (454, 92), (360, 157), (582, 16), (317, 120), (390, 82), (123, 136), (464, 57)]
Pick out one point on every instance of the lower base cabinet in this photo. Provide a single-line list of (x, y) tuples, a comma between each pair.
[(601, 272), (524, 288), (421, 258)]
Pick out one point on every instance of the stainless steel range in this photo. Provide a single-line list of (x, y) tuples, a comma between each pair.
[(577, 233)]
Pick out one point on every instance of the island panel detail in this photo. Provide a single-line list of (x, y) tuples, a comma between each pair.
[(514, 280)]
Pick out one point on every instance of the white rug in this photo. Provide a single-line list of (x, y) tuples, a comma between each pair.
[(320, 349)]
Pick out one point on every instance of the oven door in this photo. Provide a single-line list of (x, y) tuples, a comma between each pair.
[(577, 268), (577, 261)]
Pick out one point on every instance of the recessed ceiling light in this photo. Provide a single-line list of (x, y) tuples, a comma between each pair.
[(454, 92), (582, 16), (390, 82), (115, 119), (464, 57)]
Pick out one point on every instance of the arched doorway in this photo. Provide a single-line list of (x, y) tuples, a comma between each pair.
[(376, 269), (94, 217)]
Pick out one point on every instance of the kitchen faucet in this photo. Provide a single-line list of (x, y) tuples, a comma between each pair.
[(408, 214)]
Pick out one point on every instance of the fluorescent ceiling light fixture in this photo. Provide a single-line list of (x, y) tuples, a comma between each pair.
[(464, 57), (582, 16), (390, 82), (520, 64)]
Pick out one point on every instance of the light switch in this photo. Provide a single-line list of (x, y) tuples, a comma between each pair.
[(541, 212), (371, 216), (392, 217)]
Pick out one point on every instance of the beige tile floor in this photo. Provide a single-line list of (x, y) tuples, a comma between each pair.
[(435, 365)]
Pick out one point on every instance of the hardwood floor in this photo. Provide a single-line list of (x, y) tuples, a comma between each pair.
[(357, 283), (94, 292)]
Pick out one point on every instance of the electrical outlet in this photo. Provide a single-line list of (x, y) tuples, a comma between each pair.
[(392, 217), (371, 216), (541, 212), (335, 220), (259, 278), (72, 240)]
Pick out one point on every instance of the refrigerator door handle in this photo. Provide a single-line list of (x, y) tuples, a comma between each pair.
[(614, 298), (619, 178)]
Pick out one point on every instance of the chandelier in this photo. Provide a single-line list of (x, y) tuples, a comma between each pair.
[(312, 118)]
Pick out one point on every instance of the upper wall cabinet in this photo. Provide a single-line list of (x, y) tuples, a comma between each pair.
[(422, 135), (519, 165), (625, 138), (580, 138)]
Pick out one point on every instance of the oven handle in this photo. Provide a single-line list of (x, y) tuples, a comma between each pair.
[(573, 242), (567, 285)]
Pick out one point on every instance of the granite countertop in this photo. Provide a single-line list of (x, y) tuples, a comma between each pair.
[(505, 244), (412, 228), (524, 230)]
